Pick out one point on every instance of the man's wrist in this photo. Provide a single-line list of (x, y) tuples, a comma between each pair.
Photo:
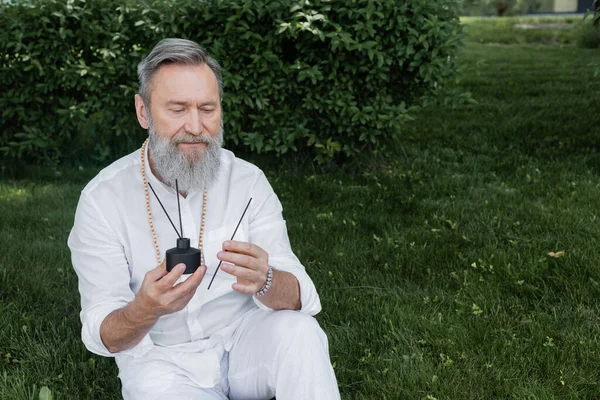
[(137, 313), (267, 284), (284, 293)]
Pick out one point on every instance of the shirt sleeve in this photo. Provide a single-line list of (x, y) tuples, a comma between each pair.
[(103, 272), (268, 230)]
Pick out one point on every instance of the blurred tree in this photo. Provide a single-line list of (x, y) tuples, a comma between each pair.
[(501, 7)]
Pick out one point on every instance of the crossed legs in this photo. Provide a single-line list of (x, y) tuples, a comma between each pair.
[(280, 353)]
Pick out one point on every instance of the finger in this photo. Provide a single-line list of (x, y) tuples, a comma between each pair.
[(244, 288), (170, 279), (244, 248), (190, 284), (241, 272), (238, 259), (181, 295), (158, 272)]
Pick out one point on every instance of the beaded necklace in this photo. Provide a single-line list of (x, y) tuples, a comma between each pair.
[(204, 201)]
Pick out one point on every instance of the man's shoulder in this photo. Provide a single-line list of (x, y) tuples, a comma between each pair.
[(120, 170), (238, 165)]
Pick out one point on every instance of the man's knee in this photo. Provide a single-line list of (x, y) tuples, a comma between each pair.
[(300, 331)]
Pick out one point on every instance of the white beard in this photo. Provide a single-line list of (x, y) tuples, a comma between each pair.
[(198, 170)]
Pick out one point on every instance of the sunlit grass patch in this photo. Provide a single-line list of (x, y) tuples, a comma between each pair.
[(13, 192)]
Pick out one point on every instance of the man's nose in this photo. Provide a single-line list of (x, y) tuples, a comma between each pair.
[(193, 124)]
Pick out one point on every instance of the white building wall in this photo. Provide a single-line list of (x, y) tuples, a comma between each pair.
[(565, 5)]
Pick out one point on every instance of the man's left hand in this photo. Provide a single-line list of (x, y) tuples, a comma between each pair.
[(251, 265)]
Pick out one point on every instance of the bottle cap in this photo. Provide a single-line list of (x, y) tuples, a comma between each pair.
[(183, 243)]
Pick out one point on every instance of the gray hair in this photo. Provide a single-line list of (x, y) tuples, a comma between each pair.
[(174, 51)]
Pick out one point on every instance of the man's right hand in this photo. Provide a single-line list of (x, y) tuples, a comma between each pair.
[(159, 295)]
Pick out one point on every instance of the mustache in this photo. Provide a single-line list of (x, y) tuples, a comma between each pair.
[(189, 138)]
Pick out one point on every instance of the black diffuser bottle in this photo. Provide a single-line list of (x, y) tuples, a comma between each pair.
[(183, 253)]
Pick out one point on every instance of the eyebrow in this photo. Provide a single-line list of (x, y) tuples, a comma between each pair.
[(185, 103)]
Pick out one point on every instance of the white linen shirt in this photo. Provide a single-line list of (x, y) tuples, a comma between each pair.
[(112, 250)]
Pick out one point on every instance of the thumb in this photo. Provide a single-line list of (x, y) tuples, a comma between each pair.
[(158, 272)]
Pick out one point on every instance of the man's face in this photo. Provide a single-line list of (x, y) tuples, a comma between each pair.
[(184, 125), (184, 104)]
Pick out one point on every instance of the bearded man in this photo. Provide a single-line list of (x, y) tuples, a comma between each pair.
[(252, 335)]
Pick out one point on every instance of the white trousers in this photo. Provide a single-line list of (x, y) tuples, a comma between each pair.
[(279, 353)]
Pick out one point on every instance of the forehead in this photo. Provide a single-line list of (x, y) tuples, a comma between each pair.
[(189, 83)]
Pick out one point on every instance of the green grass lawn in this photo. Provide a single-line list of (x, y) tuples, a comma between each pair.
[(518, 30), (433, 268)]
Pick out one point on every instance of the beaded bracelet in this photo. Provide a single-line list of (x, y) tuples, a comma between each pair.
[(267, 286)]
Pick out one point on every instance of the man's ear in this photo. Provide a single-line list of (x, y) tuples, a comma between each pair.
[(141, 111)]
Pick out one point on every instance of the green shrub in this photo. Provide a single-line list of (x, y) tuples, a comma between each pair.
[(588, 35), (335, 77)]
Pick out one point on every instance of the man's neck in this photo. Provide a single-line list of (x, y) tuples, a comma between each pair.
[(157, 174)]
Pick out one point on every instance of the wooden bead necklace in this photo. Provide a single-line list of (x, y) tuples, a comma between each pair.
[(204, 201)]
